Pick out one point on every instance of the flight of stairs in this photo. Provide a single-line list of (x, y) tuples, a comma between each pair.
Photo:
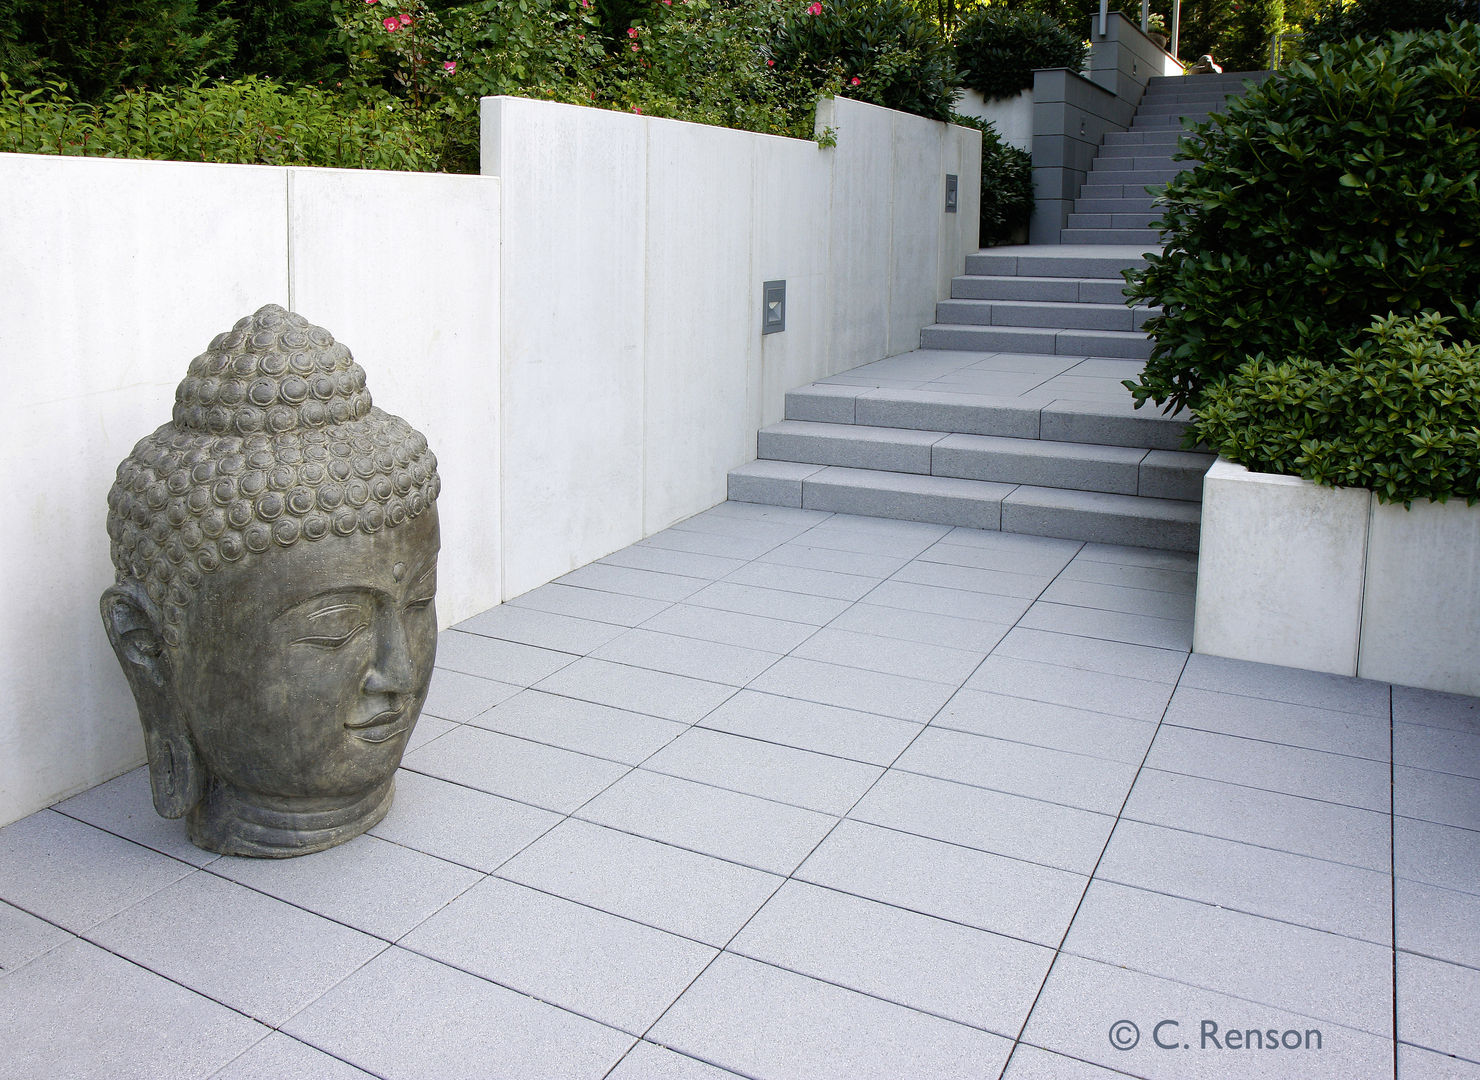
[(1010, 416)]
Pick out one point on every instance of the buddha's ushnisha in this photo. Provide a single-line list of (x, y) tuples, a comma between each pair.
[(275, 550)]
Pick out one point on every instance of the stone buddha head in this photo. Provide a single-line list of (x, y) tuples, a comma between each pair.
[(275, 549)]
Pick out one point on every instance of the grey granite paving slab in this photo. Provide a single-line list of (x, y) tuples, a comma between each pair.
[(1040, 723), (810, 725), (936, 600), (74, 875), (493, 658), (772, 533), (1295, 685), (970, 976), (1153, 558), (1437, 854), (708, 543), (23, 937), (82, 1013), (544, 629), (1132, 601), (1293, 770), (834, 560), (124, 807), (460, 824), (730, 825), (405, 1017), (1182, 582), (1439, 1006), (1329, 896), (649, 1061), (769, 603), (651, 584), (1030, 1063), (1436, 796), (598, 965), (258, 955), (775, 1025), (1040, 553), (929, 628), (582, 726), (1415, 1063), (1271, 819), (1455, 712), (668, 561), (1281, 722), (978, 888), (692, 657), (680, 891), (956, 550), (854, 688), (531, 772), (874, 536), (1437, 923), (1291, 967), (1138, 699), (937, 663), (801, 579), (1110, 625), (739, 513), (1090, 783), (1093, 654), (1011, 825), (1082, 999), (730, 627), (608, 607), (429, 729), (281, 1057), (371, 884), (656, 693), (1439, 749), (974, 579), (829, 785), (458, 697)]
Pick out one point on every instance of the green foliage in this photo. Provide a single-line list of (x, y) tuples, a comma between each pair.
[(1398, 413), (291, 41), (1336, 21), (1007, 185), (880, 51), (997, 49), (1338, 190), (247, 121), (1253, 24)]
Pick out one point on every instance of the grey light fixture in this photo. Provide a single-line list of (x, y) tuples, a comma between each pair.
[(773, 308), (951, 192)]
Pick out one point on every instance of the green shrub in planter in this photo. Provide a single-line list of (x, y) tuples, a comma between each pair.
[(1336, 21), (1007, 185), (1341, 189), (1398, 413), (881, 51), (997, 49)]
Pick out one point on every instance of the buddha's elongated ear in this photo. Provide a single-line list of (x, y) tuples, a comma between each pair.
[(134, 630)]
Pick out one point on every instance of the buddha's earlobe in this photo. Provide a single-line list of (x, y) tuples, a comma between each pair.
[(134, 630)]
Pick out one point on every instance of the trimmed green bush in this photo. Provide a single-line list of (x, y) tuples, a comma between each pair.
[(1398, 413), (1343, 189), (1007, 185), (1336, 22), (997, 49), (881, 51)]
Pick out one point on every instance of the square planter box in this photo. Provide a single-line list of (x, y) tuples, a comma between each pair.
[(1332, 580)]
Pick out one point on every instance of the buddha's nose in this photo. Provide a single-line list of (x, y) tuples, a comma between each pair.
[(393, 671)]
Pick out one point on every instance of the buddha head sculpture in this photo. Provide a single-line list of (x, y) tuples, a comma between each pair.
[(275, 549)]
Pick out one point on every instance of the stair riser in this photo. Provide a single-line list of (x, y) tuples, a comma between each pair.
[(1050, 342), (1091, 205), (1148, 237), (1062, 316), (987, 264), (1063, 290), (1142, 220)]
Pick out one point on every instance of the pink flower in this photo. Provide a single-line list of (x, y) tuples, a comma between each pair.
[(637, 109), (854, 81), (449, 66), (635, 48), (405, 20), (372, 1), (770, 63), (391, 25), (632, 31), (814, 8)]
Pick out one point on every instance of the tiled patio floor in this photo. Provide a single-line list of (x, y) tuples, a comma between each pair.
[(788, 794)]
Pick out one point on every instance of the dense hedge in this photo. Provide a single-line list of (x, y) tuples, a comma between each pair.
[(1343, 189), (998, 49)]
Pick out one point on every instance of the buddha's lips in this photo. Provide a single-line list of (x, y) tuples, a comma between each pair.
[(379, 728)]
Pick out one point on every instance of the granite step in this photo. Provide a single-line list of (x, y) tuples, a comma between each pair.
[(1051, 261), (1141, 219), (1148, 237), (1047, 314), (1050, 340), (1067, 290)]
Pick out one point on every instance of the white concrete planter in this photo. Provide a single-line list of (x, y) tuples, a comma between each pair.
[(1010, 117), (1332, 580)]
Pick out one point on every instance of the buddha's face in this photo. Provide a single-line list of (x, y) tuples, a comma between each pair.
[(301, 671)]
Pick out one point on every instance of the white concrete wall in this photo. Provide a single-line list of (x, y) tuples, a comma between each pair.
[(116, 274), (1011, 117), (579, 338), (1332, 580), (634, 371)]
